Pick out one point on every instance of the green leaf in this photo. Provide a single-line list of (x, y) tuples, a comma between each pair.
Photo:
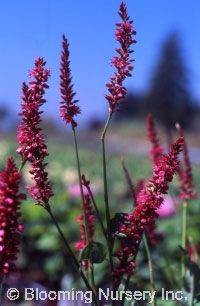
[(94, 251)]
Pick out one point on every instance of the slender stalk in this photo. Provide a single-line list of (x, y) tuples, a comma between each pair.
[(96, 210), (109, 236), (92, 278), (84, 209), (109, 240), (48, 209), (125, 289), (81, 186), (150, 267), (183, 244), (22, 163)]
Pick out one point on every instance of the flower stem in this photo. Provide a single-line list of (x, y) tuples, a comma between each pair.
[(150, 267), (84, 209), (48, 209), (92, 278), (96, 210), (183, 244), (81, 186), (125, 289), (22, 163), (109, 238)]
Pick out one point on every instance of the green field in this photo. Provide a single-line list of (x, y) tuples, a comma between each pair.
[(42, 252)]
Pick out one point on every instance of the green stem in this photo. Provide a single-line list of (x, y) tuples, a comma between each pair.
[(109, 240), (84, 208), (125, 289), (109, 236), (150, 267), (96, 210), (92, 278), (81, 187), (48, 209), (183, 244), (22, 163)]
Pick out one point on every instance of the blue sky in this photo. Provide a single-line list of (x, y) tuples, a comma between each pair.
[(29, 29)]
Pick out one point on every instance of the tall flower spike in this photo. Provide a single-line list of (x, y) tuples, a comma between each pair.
[(156, 150), (68, 108), (122, 63), (10, 227), (187, 186), (144, 215), (32, 142)]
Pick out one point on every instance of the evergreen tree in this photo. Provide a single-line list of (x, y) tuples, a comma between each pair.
[(169, 98)]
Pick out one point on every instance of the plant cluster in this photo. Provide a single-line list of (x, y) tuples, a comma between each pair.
[(123, 233)]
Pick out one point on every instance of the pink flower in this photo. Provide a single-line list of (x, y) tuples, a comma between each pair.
[(68, 108), (167, 209), (32, 142), (10, 228), (122, 63), (74, 190)]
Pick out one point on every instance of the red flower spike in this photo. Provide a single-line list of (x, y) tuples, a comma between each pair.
[(91, 220), (139, 185), (122, 63), (68, 108), (157, 149), (144, 215), (187, 186), (32, 142), (10, 227), (129, 183), (84, 181)]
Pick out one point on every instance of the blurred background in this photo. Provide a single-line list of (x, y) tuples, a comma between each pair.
[(165, 82)]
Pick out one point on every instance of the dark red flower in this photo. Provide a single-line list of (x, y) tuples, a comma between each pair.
[(157, 149), (129, 183), (144, 215), (139, 185), (32, 142), (187, 186), (68, 108), (10, 227), (122, 63), (91, 220)]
